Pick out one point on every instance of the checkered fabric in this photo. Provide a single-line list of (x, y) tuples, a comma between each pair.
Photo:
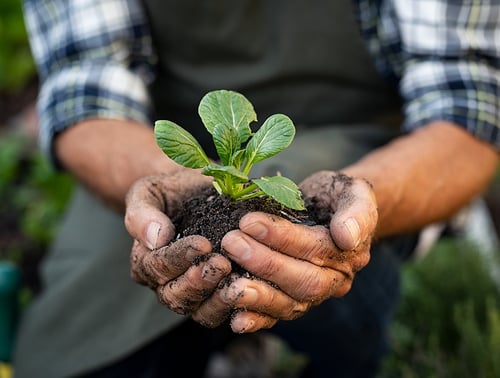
[(96, 58)]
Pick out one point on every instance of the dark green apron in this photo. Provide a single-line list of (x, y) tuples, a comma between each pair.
[(302, 58)]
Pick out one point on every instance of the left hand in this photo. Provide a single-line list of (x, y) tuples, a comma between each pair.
[(298, 266)]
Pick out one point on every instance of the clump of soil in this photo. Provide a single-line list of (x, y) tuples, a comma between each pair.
[(212, 215)]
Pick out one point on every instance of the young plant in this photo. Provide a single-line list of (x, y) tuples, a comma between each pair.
[(227, 116)]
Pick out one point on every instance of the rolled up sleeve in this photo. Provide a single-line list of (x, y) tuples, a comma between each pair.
[(451, 69), (94, 59)]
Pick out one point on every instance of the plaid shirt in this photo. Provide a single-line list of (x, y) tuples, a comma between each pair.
[(95, 59)]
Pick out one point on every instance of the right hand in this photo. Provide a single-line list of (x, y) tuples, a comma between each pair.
[(183, 273), (299, 266)]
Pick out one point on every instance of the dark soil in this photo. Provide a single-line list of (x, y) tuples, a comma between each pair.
[(212, 215)]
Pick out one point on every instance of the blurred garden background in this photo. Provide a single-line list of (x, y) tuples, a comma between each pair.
[(448, 322)]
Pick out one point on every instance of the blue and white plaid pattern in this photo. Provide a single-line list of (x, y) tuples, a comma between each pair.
[(95, 58), (446, 56)]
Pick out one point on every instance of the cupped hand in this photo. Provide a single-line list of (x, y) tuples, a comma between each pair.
[(184, 272), (297, 266)]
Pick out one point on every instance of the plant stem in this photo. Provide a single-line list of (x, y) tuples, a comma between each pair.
[(245, 192), (258, 193)]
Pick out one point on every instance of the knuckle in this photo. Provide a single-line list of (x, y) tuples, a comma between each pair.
[(166, 298), (312, 288), (206, 322), (212, 313), (213, 273), (231, 294), (265, 268), (362, 260), (267, 322), (152, 269), (323, 251), (138, 271), (314, 293), (193, 277), (298, 310)]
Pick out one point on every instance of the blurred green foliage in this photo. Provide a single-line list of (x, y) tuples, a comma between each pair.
[(448, 322), (32, 197), (16, 62)]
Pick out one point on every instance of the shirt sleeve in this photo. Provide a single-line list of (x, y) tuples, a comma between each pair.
[(451, 64), (94, 59)]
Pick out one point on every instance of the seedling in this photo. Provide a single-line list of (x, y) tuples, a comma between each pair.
[(227, 116)]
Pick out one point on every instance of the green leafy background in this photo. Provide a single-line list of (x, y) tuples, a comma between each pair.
[(16, 63)]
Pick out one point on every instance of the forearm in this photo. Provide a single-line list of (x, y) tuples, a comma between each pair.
[(426, 176), (108, 155)]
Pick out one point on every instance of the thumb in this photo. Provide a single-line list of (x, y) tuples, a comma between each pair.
[(355, 214), (145, 218)]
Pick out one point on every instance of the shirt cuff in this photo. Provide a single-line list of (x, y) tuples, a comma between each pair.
[(88, 91), (465, 93)]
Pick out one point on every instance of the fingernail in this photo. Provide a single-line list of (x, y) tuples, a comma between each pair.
[(352, 227), (210, 274), (256, 230), (250, 295), (152, 234), (237, 247), (241, 325)]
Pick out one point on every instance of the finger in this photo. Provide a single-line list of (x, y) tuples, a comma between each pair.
[(214, 311), (313, 244), (248, 321), (300, 279), (262, 303), (136, 256), (259, 296), (159, 266), (145, 217), (185, 294)]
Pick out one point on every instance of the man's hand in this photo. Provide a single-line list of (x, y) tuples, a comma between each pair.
[(298, 266), (183, 273)]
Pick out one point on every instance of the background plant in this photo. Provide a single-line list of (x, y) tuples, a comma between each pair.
[(32, 199), (16, 64), (448, 322)]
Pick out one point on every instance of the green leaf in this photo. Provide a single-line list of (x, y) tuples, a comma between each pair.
[(179, 145), (283, 190), (230, 109), (222, 172), (238, 159), (274, 136), (226, 142), (217, 187)]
